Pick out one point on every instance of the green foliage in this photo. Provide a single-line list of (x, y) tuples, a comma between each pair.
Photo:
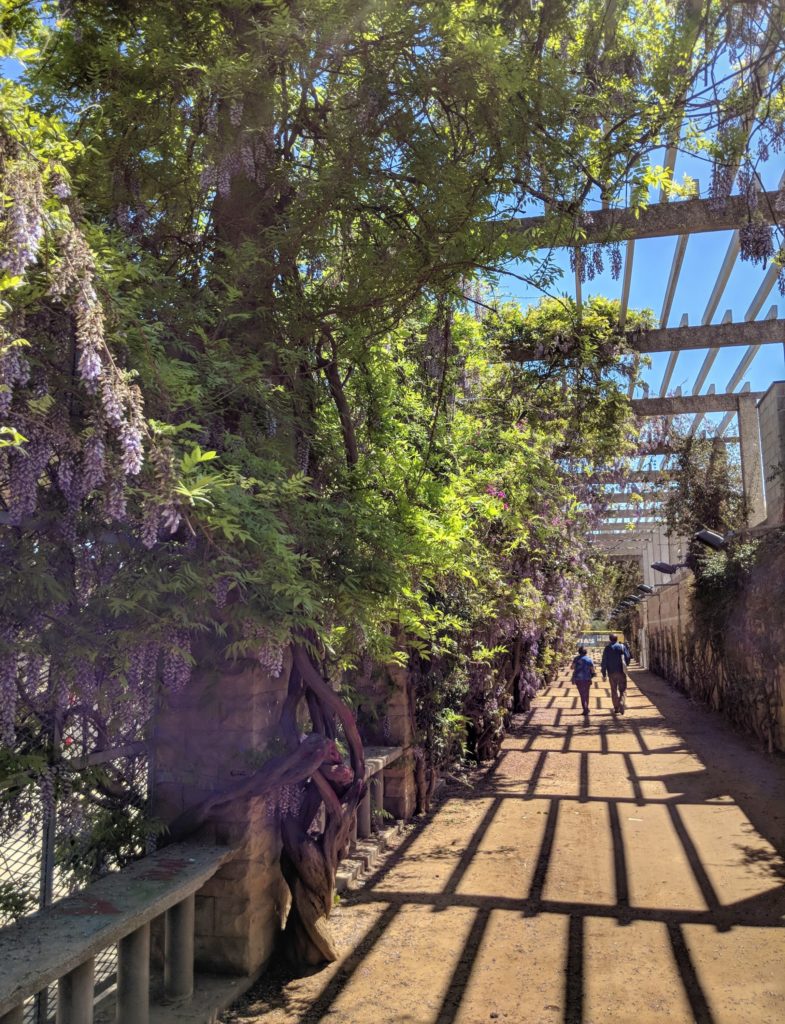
[(283, 210), (709, 492), (15, 901), (727, 666)]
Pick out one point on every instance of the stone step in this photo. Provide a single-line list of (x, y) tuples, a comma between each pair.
[(364, 857)]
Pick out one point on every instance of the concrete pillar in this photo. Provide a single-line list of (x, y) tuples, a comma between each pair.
[(364, 815), (658, 545), (179, 950), (133, 977), (15, 1016), (203, 739), (75, 992), (771, 413), (751, 467), (377, 800), (388, 687)]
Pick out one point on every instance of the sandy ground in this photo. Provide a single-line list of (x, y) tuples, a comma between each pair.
[(624, 870)]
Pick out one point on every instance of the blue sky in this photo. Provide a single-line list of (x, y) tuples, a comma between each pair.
[(704, 255)]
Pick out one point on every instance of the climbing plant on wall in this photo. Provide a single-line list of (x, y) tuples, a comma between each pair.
[(734, 639)]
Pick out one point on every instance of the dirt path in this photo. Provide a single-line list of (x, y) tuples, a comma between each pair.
[(600, 873)]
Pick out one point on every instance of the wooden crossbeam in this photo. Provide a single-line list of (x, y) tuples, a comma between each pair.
[(677, 405), (688, 216)]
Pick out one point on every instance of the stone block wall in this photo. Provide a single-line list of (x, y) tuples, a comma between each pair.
[(745, 679), (386, 718), (771, 411), (207, 738)]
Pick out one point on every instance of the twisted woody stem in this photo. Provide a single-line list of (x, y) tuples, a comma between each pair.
[(310, 862)]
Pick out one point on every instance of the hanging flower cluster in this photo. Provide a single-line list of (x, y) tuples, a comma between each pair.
[(62, 336)]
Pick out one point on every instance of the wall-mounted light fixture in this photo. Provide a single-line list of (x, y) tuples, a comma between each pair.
[(667, 568), (712, 539)]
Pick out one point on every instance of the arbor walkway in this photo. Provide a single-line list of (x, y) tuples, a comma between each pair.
[(623, 870)]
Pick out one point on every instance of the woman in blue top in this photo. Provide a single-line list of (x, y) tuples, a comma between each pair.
[(582, 673)]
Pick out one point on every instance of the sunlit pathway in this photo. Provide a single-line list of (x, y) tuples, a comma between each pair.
[(601, 873)]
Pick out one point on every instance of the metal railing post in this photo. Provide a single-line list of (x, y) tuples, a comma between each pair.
[(133, 977), (75, 995), (179, 949)]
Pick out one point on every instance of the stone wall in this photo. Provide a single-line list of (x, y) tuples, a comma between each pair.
[(385, 718), (206, 739), (771, 411), (744, 679)]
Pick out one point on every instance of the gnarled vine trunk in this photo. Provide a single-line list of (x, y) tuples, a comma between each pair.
[(311, 860)]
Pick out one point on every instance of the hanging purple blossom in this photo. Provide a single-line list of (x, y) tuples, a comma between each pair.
[(150, 523), (14, 370), (8, 671), (110, 401), (132, 450), (24, 218), (89, 336), (176, 672), (616, 261), (756, 242), (93, 463), (720, 186), (115, 498), (26, 467), (60, 187)]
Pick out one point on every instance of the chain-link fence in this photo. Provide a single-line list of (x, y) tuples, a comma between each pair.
[(39, 857)]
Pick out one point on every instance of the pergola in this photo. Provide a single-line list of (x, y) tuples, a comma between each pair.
[(633, 525)]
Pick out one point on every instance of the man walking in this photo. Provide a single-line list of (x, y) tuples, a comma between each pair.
[(614, 658), (582, 672)]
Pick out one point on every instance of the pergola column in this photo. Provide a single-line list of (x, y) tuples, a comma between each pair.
[(751, 462), (771, 416)]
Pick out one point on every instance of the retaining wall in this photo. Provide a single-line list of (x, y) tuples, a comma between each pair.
[(745, 680), (210, 735)]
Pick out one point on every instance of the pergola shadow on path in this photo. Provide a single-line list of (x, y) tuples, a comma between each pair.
[(599, 872)]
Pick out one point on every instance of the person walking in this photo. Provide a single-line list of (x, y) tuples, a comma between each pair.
[(582, 675), (614, 658)]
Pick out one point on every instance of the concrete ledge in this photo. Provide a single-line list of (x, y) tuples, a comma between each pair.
[(44, 947), (213, 994), (377, 759)]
